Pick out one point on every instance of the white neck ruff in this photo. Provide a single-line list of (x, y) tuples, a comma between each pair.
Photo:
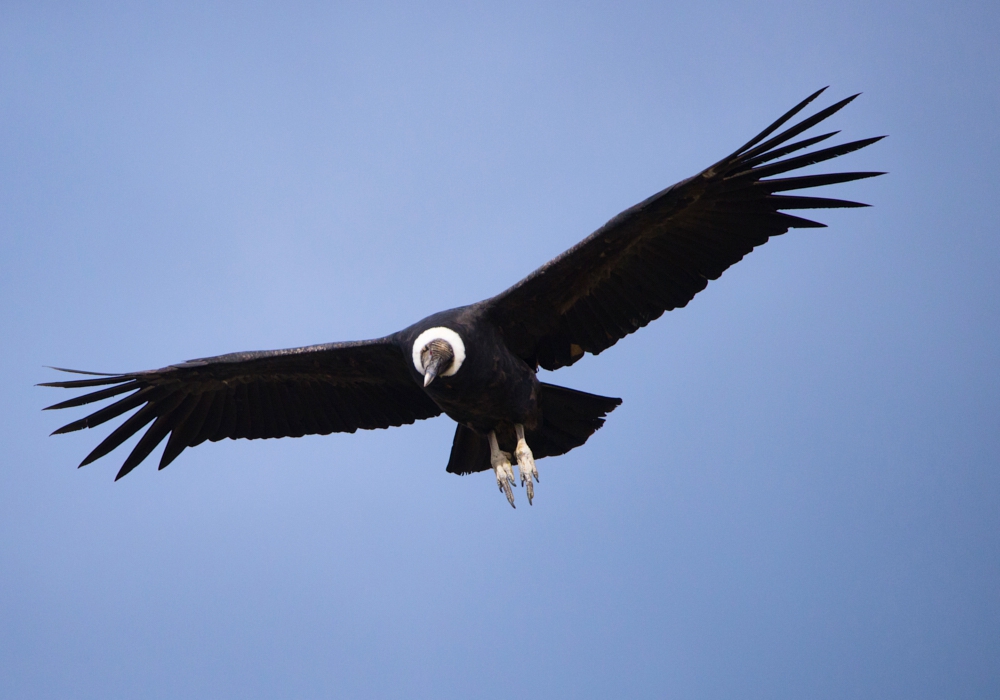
[(440, 333)]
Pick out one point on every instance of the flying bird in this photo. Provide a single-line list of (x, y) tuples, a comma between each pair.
[(478, 364)]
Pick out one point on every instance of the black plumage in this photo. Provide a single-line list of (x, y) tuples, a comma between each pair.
[(478, 363)]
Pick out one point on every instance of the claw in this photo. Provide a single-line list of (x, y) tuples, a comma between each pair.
[(500, 461), (505, 477), (525, 463)]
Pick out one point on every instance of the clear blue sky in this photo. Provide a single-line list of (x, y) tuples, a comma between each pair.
[(799, 497)]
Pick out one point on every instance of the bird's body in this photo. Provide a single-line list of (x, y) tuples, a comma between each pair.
[(493, 385), (478, 363)]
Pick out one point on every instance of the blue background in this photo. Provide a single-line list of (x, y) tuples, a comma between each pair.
[(799, 496)]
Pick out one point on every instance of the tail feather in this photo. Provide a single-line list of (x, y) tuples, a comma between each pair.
[(569, 418), (470, 452)]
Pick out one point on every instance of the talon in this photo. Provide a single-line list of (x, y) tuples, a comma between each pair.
[(500, 461), (525, 463)]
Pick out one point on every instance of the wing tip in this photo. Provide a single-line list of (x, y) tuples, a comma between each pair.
[(71, 427), (170, 453), (814, 96), (774, 126), (131, 462), (82, 371)]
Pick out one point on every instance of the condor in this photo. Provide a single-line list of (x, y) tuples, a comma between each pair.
[(478, 363)]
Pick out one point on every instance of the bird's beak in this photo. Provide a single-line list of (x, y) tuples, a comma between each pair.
[(438, 356), (429, 375)]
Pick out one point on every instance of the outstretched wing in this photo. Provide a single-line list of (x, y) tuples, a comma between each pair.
[(319, 389), (657, 255)]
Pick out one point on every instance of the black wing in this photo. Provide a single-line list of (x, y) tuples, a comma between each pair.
[(657, 255), (319, 389)]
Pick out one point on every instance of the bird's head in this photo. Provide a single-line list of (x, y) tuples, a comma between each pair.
[(436, 357), (438, 352)]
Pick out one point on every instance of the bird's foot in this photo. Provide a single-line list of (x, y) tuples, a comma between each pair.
[(505, 476), (527, 470), (500, 461), (525, 464)]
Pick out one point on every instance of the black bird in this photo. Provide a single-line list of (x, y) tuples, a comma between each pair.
[(478, 363)]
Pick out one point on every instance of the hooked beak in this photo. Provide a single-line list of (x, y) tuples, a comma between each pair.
[(429, 375), (437, 358)]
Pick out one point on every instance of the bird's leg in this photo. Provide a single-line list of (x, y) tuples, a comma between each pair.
[(525, 462), (500, 461)]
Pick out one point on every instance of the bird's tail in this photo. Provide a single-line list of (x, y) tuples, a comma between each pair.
[(569, 418)]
